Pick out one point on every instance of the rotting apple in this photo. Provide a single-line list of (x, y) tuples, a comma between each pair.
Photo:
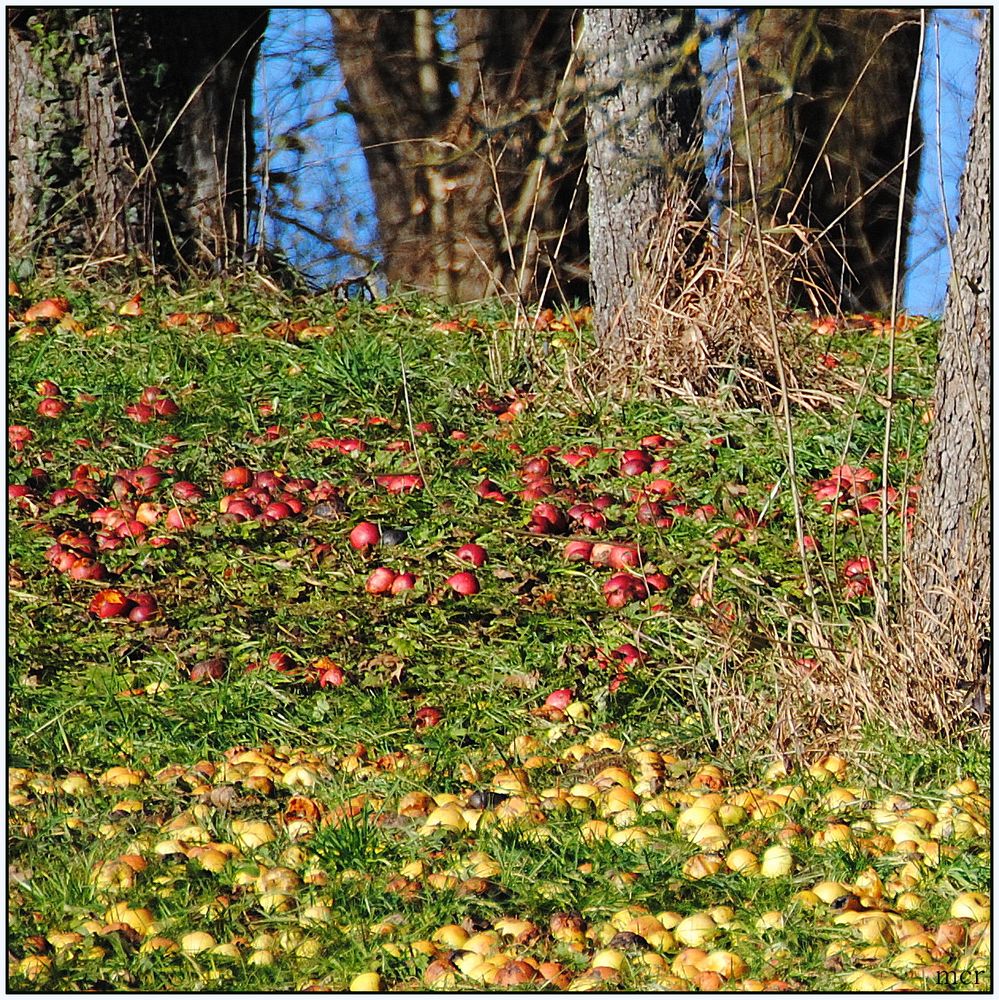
[(332, 676), (187, 492), (51, 407), (110, 603), (427, 717), (559, 698), (145, 607), (210, 670), (470, 552), (578, 551)]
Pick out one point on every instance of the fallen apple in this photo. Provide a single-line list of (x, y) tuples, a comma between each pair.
[(51, 407), (403, 581), (464, 583), (380, 581), (559, 698), (578, 551), (110, 604), (332, 677), (47, 388), (470, 552), (364, 535), (208, 670), (427, 717), (236, 478)]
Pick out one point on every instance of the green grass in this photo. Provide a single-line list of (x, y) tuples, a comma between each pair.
[(86, 694)]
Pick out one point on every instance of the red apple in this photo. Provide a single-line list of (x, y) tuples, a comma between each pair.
[(18, 436), (148, 513), (51, 407), (208, 670), (427, 717), (141, 413), (622, 557), (578, 551), (87, 569), (187, 492), (725, 538), (535, 467), (145, 479), (364, 535), (665, 488), (470, 552), (858, 566), (109, 604), (600, 553), (78, 540), (559, 698), (404, 581), (281, 662), (276, 511), (463, 583), (332, 677), (145, 607), (130, 529), (166, 408), (267, 480), (628, 654), (488, 490), (47, 388), (593, 520), (239, 510), (400, 482), (380, 581), (236, 478)]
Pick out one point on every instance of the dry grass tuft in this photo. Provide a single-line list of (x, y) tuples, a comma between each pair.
[(704, 321), (911, 679), (918, 680)]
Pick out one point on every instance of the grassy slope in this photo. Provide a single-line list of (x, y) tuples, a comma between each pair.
[(704, 693)]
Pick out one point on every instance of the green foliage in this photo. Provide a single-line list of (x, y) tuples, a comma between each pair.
[(86, 695)]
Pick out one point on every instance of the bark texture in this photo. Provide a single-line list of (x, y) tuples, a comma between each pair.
[(951, 553), (827, 93), (99, 166), (474, 156), (642, 124), (28, 90)]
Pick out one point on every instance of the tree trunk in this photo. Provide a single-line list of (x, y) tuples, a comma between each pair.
[(27, 147), (97, 94), (951, 553), (474, 160), (642, 123), (211, 56), (827, 136)]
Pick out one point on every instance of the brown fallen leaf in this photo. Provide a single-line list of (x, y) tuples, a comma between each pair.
[(523, 681)]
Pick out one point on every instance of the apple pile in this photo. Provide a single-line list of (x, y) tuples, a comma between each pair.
[(848, 492)]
